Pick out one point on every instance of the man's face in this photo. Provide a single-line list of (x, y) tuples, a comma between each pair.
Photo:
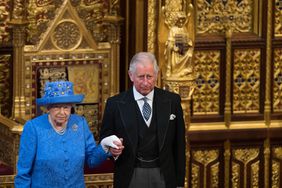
[(59, 113), (144, 78)]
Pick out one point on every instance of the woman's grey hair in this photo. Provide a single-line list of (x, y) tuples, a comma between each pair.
[(139, 59)]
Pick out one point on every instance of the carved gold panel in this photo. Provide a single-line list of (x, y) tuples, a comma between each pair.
[(275, 178), (245, 167), (5, 85), (277, 19), (205, 168), (6, 146), (92, 113), (68, 51), (277, 81), (207, 78), (42, 13), (4, 18), (246, 81), (216, 16), (276, 166)]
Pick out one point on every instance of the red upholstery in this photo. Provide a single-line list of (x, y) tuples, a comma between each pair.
[(5, 170), (105, 167)]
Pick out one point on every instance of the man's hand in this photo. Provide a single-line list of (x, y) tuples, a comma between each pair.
[(112, 144), (116, 151)]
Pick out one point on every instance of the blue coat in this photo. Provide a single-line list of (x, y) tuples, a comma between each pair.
[(49, 160)]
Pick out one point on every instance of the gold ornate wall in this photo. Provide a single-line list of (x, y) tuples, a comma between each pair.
[(235, 121), (55, 40)]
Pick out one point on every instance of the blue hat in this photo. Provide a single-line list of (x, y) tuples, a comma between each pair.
[(59, 92)]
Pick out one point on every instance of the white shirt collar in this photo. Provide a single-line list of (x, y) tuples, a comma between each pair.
[(138, 96)]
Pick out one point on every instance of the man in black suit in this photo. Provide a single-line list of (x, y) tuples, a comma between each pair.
[(150, 122)]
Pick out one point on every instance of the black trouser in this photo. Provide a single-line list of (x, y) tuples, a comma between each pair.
[(147, 178)]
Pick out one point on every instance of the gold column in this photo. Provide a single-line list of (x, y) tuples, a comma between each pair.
[(139, 25), (227, 154), (266, 162), (18, 24), (227, 107), (115, 21), (267, 103), (152, 26)]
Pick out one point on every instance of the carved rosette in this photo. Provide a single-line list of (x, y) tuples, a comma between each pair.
[(67, 35)]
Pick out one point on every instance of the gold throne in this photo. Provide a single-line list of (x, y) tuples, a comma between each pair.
[(59, 40)]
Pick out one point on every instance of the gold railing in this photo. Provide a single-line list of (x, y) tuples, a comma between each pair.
[(91, 181)]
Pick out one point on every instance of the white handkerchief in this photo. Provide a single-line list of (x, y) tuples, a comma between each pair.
[(109, 142), (172, 117)]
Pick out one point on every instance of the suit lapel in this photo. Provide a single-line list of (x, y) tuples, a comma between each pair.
[(163, 110), (127, 109)]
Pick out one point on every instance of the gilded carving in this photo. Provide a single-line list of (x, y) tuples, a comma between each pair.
[(278, 19), (205, 158), (216, 16), (67, 35), (179, 44), (277, 152), (7, 181), (207, 78), (7, 146), (195, 176), (245, 155), (246, 81), (235, 175), (275, 178), (241, 173), (214, 175), (19, 10), (41, 14), (255, 174), (269, 63), (277, 81), (60, 37), (5, 76), (175, 50), (152, 25), (91, 113), (50, 74), (91, 181), (4, 16), (99, 180)]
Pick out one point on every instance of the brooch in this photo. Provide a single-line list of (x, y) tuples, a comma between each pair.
[(74, 127)]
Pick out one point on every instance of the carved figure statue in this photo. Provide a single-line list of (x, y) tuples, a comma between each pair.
[(178, 47), (18, 9)]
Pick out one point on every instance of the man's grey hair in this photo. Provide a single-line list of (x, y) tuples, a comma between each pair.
[(139, 59)]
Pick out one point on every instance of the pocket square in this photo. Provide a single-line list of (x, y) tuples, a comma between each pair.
[(172, 117)]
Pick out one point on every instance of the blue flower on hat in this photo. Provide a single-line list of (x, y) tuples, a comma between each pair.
[(59, 92)]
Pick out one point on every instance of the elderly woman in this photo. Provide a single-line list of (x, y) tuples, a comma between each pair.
[(55, 146)]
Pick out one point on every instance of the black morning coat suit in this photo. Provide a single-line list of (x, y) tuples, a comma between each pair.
[(120, 119)]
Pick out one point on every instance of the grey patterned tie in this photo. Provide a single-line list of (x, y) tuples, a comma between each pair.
[(146, 110)]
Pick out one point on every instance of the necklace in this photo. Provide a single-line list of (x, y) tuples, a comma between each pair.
[(60, 132)]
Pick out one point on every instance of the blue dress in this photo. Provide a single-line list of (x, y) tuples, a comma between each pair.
[(50, 160)]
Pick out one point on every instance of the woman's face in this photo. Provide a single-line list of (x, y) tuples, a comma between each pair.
[(59, 113)]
